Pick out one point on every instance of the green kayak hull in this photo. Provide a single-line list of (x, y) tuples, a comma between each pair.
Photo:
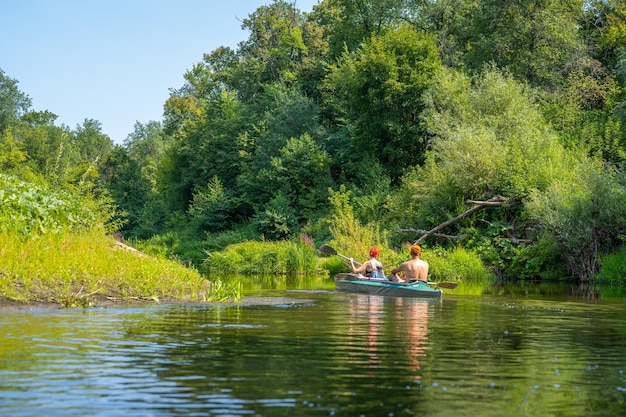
[(360, 284)]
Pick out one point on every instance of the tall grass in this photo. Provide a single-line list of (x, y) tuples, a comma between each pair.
[(457, 264), (74, 269), (263, 258)]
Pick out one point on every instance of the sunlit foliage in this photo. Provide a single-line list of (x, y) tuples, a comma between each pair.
[(358, 123)]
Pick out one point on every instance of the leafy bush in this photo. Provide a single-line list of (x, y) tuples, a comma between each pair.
[(542, 259), (585, 215), (33, 210), (490, 135), (350, 236), (334, 265), (239, 233), (212, 207), (278, 220), (613, 268)]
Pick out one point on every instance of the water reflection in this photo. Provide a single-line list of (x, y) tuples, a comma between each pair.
[(415, 314), (370, 310), (341, 354)]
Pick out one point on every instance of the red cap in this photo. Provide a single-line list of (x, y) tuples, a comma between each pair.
[(373, 252)]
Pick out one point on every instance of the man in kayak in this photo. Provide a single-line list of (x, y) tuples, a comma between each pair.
[(414, 269), (372, 268)]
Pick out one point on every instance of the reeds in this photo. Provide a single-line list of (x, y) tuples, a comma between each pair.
[(264, 258)]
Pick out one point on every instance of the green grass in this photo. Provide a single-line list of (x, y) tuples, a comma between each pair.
[(77, 269), (264, 258), (457, 264)]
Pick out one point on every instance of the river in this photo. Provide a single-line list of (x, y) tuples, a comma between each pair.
[(518, 350)]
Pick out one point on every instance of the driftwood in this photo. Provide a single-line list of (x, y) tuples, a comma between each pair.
[(478, 205)]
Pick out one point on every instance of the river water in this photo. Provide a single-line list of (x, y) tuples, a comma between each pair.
[(505, 351)]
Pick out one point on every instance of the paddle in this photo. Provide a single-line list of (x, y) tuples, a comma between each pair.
[(330, 251)]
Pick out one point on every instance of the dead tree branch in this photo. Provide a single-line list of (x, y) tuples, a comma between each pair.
[(478, 205), (422, 231)]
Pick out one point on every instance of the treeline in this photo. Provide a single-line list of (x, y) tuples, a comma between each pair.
[(401, 110)]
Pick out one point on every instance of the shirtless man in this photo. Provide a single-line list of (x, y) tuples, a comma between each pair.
[(413, 269)]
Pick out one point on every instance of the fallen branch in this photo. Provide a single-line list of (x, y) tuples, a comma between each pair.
[(129, 248), (478, 205), (442, 235)]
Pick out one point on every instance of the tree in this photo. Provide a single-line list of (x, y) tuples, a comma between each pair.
[(13, 102), (585, 215), (536, 40), (277, 220), (212, 207), (490, 137), (349, 23), (378, 91), (122, 177), (11, 153), (604, 26), (45, 143), (89, 142), (275, 44), (287, 116), (147, 145), (448, 20), (302, 173)]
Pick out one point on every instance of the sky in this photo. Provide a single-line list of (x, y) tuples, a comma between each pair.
[(113, 61)]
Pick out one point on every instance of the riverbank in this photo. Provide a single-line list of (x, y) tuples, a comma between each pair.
[(90, 268), (102, 301)]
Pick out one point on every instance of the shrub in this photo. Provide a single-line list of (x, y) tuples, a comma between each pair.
[(613, 268), (350, 236), (585, 215), (33, 210)]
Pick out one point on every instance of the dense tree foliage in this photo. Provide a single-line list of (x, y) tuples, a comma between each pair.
[(402, 109)]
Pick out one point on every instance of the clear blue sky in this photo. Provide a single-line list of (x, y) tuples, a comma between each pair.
[(113, 60)]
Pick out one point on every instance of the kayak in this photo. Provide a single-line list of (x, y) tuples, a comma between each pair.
[(360, 284)]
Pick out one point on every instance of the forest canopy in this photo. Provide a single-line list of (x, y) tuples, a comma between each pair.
[(404, 109)]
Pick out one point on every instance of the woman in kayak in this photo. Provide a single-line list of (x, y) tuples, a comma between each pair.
[(372, 268)]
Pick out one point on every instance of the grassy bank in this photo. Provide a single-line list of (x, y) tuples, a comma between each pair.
[(78, 269), (54, 249)]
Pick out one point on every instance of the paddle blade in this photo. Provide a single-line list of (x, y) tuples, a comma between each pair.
[(328, 250)]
